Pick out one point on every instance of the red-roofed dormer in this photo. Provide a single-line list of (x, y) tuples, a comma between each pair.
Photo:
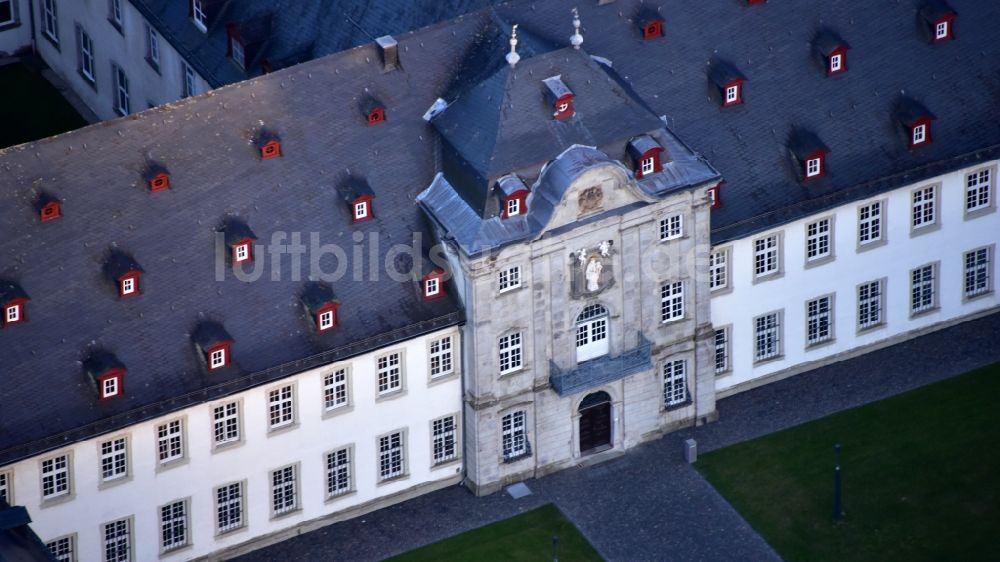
[(12, 303), (49, 208), (159, 182), (432, 284)]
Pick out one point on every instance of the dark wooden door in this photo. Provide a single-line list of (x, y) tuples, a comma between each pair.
[(595, 428)]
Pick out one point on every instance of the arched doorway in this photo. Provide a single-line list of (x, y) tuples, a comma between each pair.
[(591, 333), (595, 423)]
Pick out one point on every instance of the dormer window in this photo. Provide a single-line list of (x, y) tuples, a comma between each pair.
[(512, 194), (728, 82), (320, 305), (831, 50), (513, 207), (919, 134), (651, 26), (214, 343), (715, 196), (645, 153), (159, 182), (373, 110), (939, 18), (125, 272), (198, 15), (107, 373), (810, 153), (49, 208), (361, 211), (130, 285), (733, 94), (239, 239), (560, 96), (433, 284), (109, 387), (242, 252), (218, 357), (836, 63), (941, 31), (359, 197), (270, 149), (376, 116), (915, 120), (12, 303), (814, 167)]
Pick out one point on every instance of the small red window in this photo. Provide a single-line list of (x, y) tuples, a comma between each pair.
[(111, 384), (733, 93), (270, 149), (50, 211), (515, 204), (243, 251), (376, 116), (815, 166), (563, 107), (218, 356), (361, 209), (943, 29), (433, 285), (652, 30), (920, 133), (836, 62), (715, 195), (326, 318), (13, 313), (128, 285), (159, 182)]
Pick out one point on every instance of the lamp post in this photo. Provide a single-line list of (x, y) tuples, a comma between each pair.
[(838, 505)]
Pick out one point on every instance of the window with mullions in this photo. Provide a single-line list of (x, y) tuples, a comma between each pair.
[(767, 336), (173, 526), (338, 472), (390, 373), (284, 494), (978, 190), (674, 383), (672, 301), (721, 350), (922, 289), (977, 272), (170, 441), (718, 270), (281, 406), (441, 361), (870, 304), (510, 352), (515, 437), (672, 227), (229, 507), (870, 223), (444, 439), (335, 389), (62, 549), (818, 240), (55, 477), (819, 320), (114, 459), (765, 256), (390, 456), (117, 541), (924, 207), (226, 423)]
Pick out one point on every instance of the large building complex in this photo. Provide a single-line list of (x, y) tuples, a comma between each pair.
[(489, 249)]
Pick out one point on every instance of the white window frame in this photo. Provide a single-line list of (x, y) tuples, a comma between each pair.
[(513, 207), (814, 167), (109, 387), (871, 304), (325, 320), (718, 269), (7, 486), (820, 320), (227, 426), (941, 30), (721, 350), (871, 222), (13, 13), (671, 301), (441, 357), (85, 54), (152, 47), (672, 227), (836, 62), (514, 435), (389, 368), (361, 210), (50, 20), (217, 358), (648, 165), (115, 13), (128, 285), (284, 490), (117, 535), (919, 134), (432, 287), (979, 190), (977, 272), (819, 240), (281, 407), (767, 256), (675, 389), (63, 548), (510, 352), (923, 288), (175, 527), (923, 207), (592, 337), (339, 472), (58, 480), (13, 313), (170, 441), (768, 337), (230, 507), (198, 15), (114, 459), (337, 389), (508, 279), (391, 451), (242, 252), (445, 443), (188, 80), (732, 93), (122, 101)]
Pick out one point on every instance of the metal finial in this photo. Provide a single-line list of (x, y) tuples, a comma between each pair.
[(512, 56), (576, 39)]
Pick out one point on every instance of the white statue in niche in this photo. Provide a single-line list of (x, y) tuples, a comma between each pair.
[(593, 274), (605, 248), (581, 255)]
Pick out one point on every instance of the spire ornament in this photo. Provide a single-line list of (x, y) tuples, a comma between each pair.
[(512, 56), (576, 39)]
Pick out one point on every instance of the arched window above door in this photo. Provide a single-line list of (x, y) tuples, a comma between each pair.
[(591, 333)]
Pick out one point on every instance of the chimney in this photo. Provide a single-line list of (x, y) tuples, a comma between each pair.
[(389, 49)]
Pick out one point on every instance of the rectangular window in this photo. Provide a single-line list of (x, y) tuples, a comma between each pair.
[(360, 210), (672, 301), (50, 26), (55, 477), (8, 12), (217, 359), (513, 207), (432, 287), (870, 223), (117, 541), (444, 439), (718, 270), (509, 278), (281, 406), (335, 389), (198, 15), (941, 30), (919, 134), (170, 441), (835, 63), (85, 54), (922, 293), (648, 166), (978, 190), (122, 104), (115, 13), (819, 320), (62, 549), (672, 227), (767, 336), (977, 272), (732, 94), (510, 352), (674, 383), (812, 167), (188, 81), (239, 57), (924, 206), (390, 373), (818, 240), (721, 350), (441, 357), (114, 459), (284, 495), (152, 48), (871, 304), (515, 439), (173, 525), (765, 256), (229, 507), (326, 320), (390, 456), (13, 313), (226, 423), (338, 472), (5, 480)]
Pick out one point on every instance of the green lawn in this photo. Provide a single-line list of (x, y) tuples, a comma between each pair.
[(32, 108), (525, 537), (921, 478)]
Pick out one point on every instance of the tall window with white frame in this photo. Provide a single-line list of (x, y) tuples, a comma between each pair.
[(818, 244), (510, 352), (173, 526), (732, 94), (922, 290), (63, 549), (870, 304), (514, 434), (122, 104), (115, 13), (335, 393), (170, 441), (718, 270), (444, 439), (118, 541), (50, 23), (284, 492), (870, 223), (819, 320), (188, 81), (390, 373), (767, 336), (226, 423), (924, 207), (672, 227), (229, 507), (813, 167), (198, 15), (648, 165), (55, 477), (675, 390), (281, 406), (721, 350), (509, 278), (441, 361), (85, 55), (390, 456), (977, 272), (672, 301), (152, 48), (978, 190), (114, 459), (338, 472), (941, 30), (765, 256)]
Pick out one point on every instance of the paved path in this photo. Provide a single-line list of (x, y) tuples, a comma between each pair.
[(648, 504)]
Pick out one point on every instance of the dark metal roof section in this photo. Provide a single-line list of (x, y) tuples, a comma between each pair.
[(641, 145), (209, 334), (236, 230), (10, 290), (99, 361), (118, 264), (214, 11), (827, 41), (804, 143), (153, 169), (43, 199), (934, 10), (908, 111), (316, 296), (722, 73)]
